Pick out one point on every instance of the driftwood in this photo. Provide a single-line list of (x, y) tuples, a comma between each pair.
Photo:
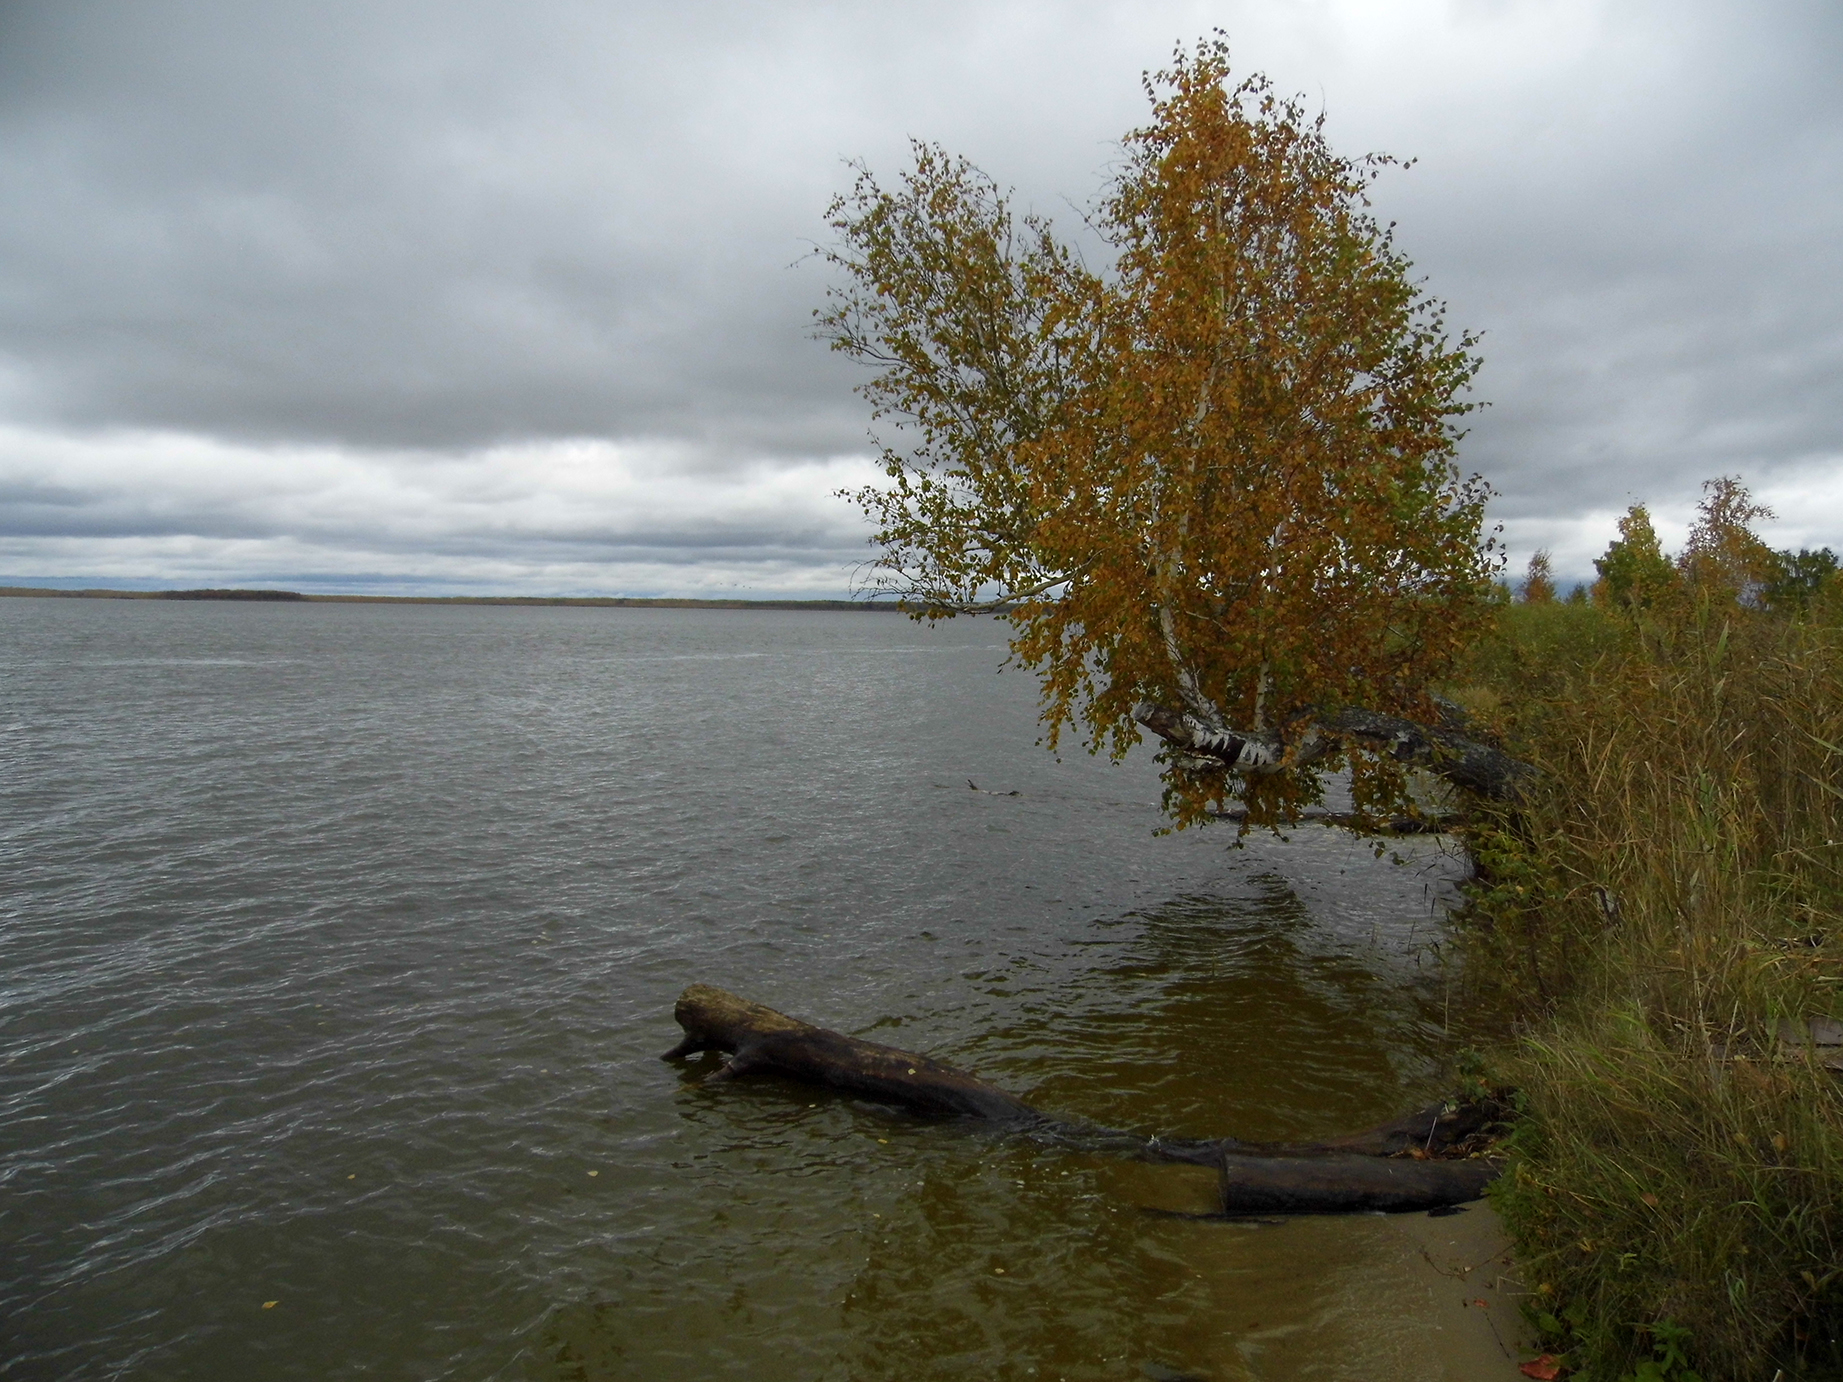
[(1417, 1161), (760, 1038)]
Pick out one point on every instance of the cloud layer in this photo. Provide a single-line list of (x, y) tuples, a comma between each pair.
[(543, 517), (497, 297)]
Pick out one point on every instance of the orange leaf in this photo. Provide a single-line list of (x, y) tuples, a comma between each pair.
[(1543, 1369)]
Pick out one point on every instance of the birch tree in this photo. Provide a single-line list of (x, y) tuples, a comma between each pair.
[(1209, 479)]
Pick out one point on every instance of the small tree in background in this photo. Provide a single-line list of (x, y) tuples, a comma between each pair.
[(1634, 573), (1724, 558), (1724, 562), (1539, 582), (1798, 578)]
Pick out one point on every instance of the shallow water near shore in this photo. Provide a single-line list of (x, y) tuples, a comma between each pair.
[(339, 943)]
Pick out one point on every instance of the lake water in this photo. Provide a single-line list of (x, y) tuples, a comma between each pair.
[(338, 944)]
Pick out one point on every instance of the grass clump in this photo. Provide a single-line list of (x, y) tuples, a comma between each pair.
[(1663, 919)]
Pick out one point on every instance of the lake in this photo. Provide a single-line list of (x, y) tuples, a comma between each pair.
[(338, 946)]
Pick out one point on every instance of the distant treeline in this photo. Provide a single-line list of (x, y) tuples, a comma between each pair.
[(603, 601), (231, 595)]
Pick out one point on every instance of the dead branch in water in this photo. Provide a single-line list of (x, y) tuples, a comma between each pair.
[(1417, 1161)]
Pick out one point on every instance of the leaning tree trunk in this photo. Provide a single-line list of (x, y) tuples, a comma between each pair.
[(1442, 750), (1417, 1161)]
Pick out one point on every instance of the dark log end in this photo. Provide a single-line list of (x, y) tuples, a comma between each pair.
[(721, 1021), (762, 1039), (1437, 1130), (1348, 1183)]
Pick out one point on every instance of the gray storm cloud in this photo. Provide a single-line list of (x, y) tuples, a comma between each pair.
[(494, 296)]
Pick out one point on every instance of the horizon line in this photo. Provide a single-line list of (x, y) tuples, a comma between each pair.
[(269, 595)]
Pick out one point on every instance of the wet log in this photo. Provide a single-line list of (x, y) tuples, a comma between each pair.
[(1413, 1162), (1446, 1129), (1441, 1129), (761, 1039), (1346, 1183), (1417, 1161)]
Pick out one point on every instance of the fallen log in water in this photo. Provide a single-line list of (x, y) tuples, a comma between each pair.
[(762, 1039), (1417, 1161), (1437, 1131), (1346, 1183)]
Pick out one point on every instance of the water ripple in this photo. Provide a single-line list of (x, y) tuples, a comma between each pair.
[(339, 943)]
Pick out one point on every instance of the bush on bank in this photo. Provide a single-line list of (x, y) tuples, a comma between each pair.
[(1662, 920)]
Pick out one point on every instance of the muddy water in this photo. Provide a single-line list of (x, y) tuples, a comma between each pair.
[(338, 946)]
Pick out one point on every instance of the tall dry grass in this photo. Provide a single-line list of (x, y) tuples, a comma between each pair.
[(1670, 896)]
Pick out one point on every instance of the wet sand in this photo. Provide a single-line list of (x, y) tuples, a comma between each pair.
[(1360, 1297)]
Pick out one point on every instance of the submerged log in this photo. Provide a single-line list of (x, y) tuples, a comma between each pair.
[(1442, 1129), (1417, 1161), (761, 1039), (1346, 1183), (1413, 1162)]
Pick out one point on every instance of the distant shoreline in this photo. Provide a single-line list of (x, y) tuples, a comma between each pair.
[(593, 601)]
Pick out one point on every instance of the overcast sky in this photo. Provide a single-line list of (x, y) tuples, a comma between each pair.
[(516, 297)]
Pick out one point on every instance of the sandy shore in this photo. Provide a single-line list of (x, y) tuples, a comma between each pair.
[(1358, 1297)]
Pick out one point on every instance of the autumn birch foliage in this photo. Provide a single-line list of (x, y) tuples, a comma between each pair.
[(1214, 472)]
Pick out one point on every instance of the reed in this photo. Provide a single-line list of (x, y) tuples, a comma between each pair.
[(1649, 921)]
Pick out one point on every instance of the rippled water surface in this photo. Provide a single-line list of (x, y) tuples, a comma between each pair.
[(338, 945)]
